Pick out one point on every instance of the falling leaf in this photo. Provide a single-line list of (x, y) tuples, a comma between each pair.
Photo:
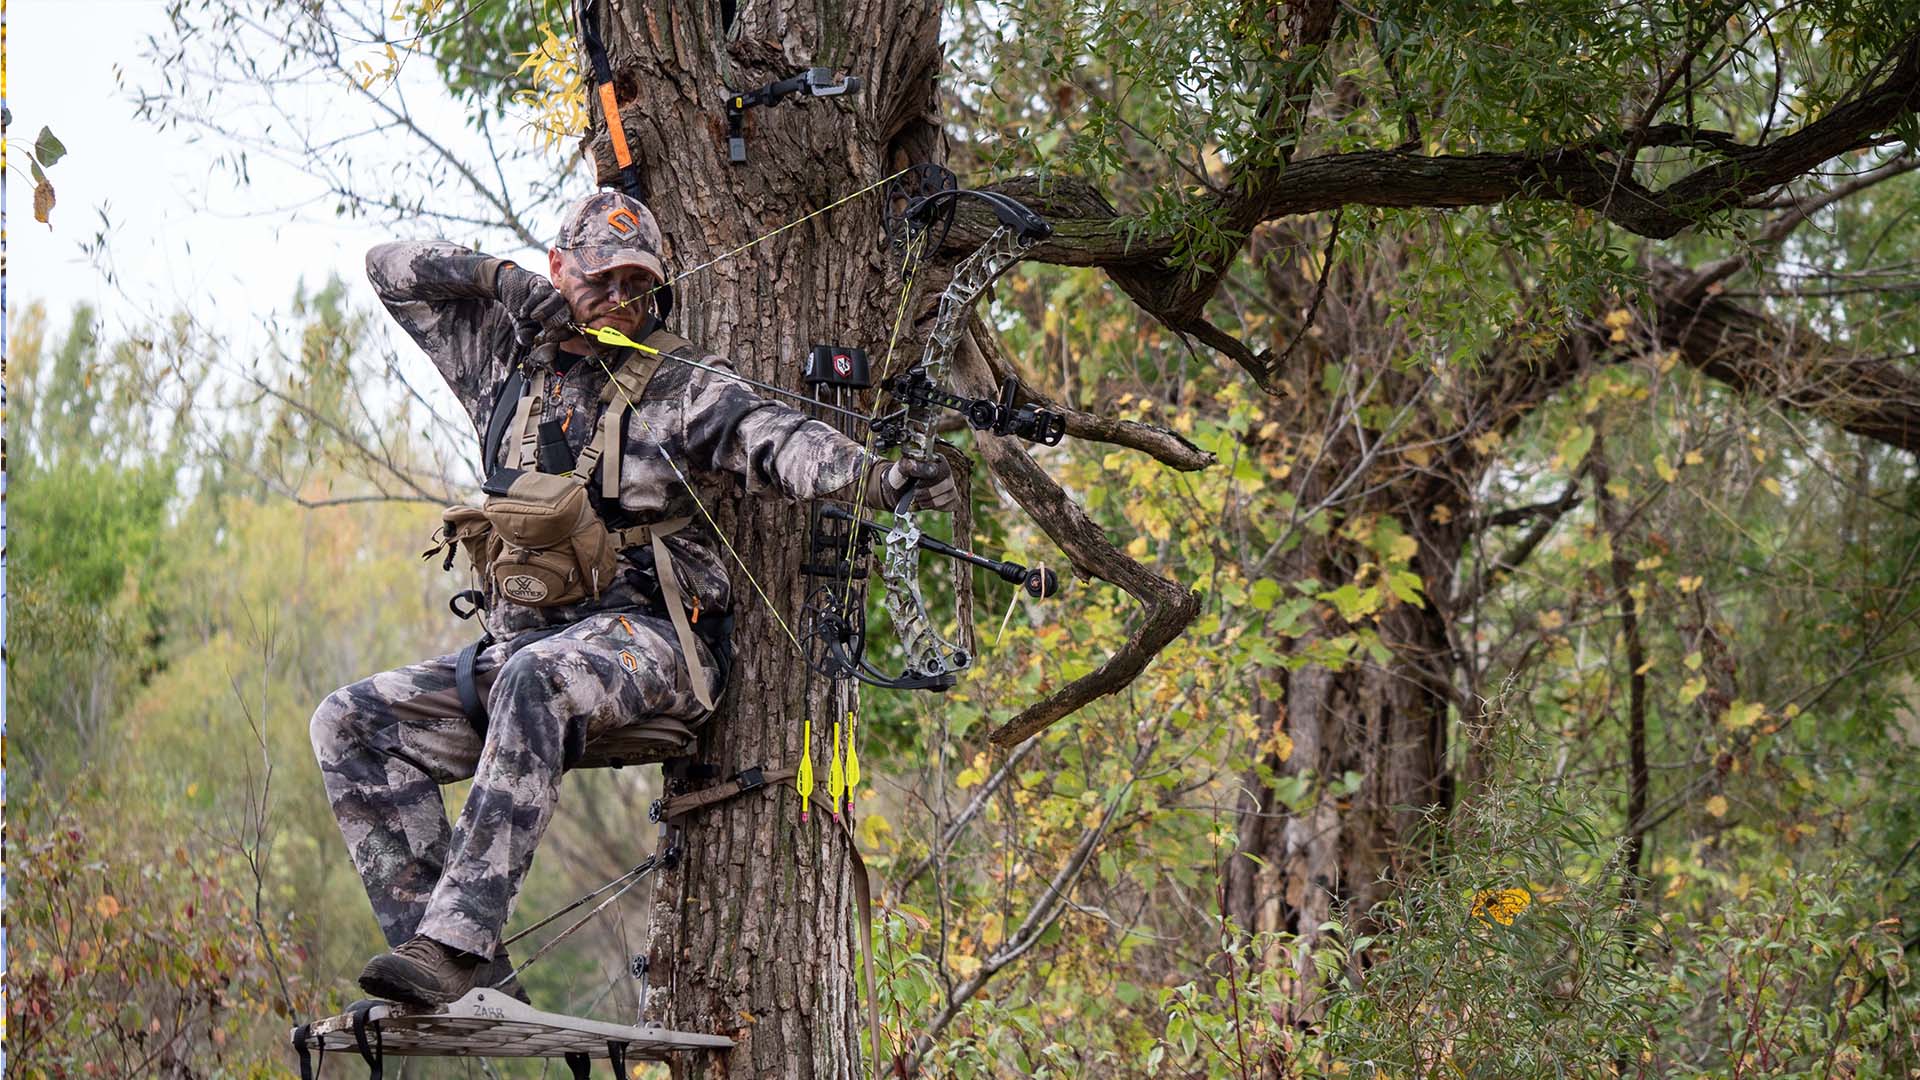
[(47, 149), (1717, 805)]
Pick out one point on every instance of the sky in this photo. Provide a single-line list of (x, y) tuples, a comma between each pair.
[(181, 233)]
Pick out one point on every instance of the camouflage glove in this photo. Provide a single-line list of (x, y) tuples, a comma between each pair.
[(540, 313), (932, 482)]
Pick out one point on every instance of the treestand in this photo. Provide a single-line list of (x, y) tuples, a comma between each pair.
[(489, 1024)]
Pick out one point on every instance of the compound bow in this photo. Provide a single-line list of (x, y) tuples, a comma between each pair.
[(919, 211)]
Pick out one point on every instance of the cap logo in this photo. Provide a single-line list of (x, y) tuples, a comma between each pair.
[(624, 221)]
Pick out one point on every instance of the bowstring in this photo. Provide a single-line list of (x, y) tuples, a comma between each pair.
[(601, 334)]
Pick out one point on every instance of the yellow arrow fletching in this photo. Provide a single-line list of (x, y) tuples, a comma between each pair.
[(607, 335), (804, 781), (836, 772), (853, 762)]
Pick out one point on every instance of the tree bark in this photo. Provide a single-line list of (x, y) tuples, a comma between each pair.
[(752, 931)]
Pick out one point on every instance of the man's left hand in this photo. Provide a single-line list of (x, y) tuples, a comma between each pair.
[(932, 482)]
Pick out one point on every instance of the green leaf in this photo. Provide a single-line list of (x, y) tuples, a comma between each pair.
[(47, 149)]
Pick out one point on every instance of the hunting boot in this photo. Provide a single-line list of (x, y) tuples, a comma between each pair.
[(420, 971)]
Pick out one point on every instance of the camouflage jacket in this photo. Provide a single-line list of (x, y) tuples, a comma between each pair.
[(715, 430)]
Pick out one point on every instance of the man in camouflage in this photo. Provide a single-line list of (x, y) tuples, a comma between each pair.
[(554, 679)]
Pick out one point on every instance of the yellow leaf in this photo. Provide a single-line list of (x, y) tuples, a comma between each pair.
[(1717, 805), (1772, 485), (107, 906), (1551, 620), (1618, 489), (964, 966), (1419, 455), (1692, 688), (1693, 660), (1441, 514), (1137, 547), (1693, 458), (192, 790), (875, 832), (1651, 562), (1689, 584), (991, 930), (1501, 905), (1618, 318), (1403, 548), (1280, 745), (1744, 714), (972, 774), (1664, 469), (1267, 430)]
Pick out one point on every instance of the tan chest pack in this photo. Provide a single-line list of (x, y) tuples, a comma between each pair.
[(536, 538)]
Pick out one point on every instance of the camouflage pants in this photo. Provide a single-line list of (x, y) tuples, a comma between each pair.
[(386, 744)]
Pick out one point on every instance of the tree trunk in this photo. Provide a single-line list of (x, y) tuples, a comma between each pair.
[(752, 935), (1336, 854)]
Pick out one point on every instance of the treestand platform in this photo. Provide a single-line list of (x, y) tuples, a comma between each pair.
[(489, 1024)]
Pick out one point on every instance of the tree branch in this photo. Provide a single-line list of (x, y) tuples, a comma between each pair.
[(1168, 606)]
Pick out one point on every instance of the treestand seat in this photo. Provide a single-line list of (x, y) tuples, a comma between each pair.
[(489, 1024), (656, 738)]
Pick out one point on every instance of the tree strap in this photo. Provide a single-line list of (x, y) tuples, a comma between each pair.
[(775, 779)]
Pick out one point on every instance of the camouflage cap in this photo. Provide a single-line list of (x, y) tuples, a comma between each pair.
[(609, 229)]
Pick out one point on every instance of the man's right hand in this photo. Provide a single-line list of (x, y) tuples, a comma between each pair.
[(540, 313)]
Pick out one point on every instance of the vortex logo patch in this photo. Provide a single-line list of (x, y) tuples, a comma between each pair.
[(524, 588)]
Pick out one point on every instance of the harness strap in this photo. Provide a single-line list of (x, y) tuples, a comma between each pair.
[(498, 418), (465, 684), (300, 1036), (775, 779), (656, 535), (376, 1054), (523, 422)]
